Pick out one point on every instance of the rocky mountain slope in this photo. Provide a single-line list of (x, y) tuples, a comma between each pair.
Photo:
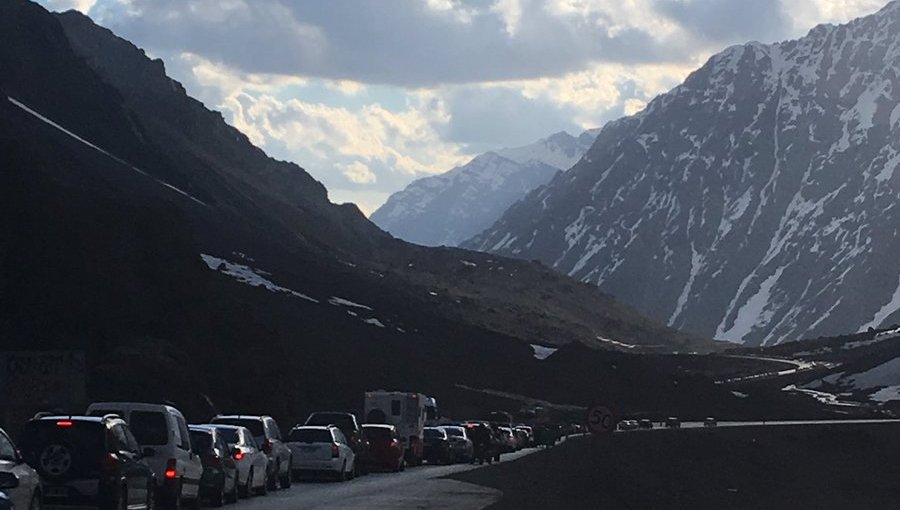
[(139, 227), (449, 208), (756, 202)]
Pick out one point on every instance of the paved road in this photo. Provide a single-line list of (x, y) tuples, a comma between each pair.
[(798, 366), (425, 486), (415, 488)]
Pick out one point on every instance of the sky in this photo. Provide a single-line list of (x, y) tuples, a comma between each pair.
[(369, 95)]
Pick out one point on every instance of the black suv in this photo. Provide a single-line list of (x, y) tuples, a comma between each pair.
[(351, 430), (268, 435), (88, 461)]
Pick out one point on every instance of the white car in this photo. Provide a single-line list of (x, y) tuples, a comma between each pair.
[(251, 461), (162, 433), (321, 450), (461, 447), (21, 483)]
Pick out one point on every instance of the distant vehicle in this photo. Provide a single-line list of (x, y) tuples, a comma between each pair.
[(432, 413), (219, 482), (628, 425), (162, 432), (385, 449), (350, 427), (673, 423), (88, 461), (499, 418), (486, 446), (645, 424), (507, 439), (251, 462), (321, 450), (710, 422), (19, 480), (437, 446), (461, 447), (268, 436), (530, 440), (406, 412)]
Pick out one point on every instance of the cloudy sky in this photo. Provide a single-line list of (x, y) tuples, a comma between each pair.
[(368, 95)]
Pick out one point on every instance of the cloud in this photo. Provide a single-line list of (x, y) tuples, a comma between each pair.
[(359, 173), (65, 5), (368, 96)]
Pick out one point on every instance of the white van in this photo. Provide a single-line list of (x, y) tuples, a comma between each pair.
[(162, 432)]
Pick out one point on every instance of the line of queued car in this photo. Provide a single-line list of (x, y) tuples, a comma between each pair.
[(139, 456)]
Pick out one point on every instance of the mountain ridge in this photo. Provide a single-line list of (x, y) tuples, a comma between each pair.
[(737, 191)]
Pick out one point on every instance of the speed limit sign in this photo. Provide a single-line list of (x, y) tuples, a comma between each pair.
[(600, 420)]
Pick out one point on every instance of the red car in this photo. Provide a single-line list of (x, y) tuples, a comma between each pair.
[(385, 450)]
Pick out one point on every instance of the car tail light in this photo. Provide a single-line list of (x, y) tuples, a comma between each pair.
[(64, 423), (267, 447), (238, 455), (335, 451), (171, 472)]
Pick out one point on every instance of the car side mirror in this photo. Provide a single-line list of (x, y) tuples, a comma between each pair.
[(148, 451), (8, 481)]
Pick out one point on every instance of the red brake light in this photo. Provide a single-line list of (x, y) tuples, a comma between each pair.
[(64, 423), (171, 472), (335, 451), (238, 455)]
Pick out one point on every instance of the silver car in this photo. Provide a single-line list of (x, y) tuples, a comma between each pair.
[(21, 483), (251, 461)]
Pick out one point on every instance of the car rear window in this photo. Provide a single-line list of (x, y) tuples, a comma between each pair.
[(310, 436), (149, 428), (377, 433), (229, 435), (339, 420), (201, 442), (434, 433), (86, 440), (255, 426)]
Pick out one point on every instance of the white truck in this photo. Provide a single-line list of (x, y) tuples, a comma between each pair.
[(405, 411)]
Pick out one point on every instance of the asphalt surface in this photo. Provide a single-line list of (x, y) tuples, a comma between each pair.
[(415, 488), (737, 466), (521, 479)]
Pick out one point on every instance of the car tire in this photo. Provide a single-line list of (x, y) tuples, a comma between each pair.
[(36, 501), (246, 491), (263, 489), (233, 495), (272, 480), (285, 479)]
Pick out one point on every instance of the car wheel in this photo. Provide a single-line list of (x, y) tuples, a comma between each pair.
[(263, 487), (285, 479), (233, 495), (272, 480), (342, 474), (36, 501), (246, 490)]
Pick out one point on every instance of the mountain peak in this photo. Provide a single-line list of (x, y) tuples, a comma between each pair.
[(727, 207)]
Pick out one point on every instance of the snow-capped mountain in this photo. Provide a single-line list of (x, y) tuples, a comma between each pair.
[(756, 202), (449, 208)]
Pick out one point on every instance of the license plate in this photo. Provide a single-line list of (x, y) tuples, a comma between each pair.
[(56, 492)]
